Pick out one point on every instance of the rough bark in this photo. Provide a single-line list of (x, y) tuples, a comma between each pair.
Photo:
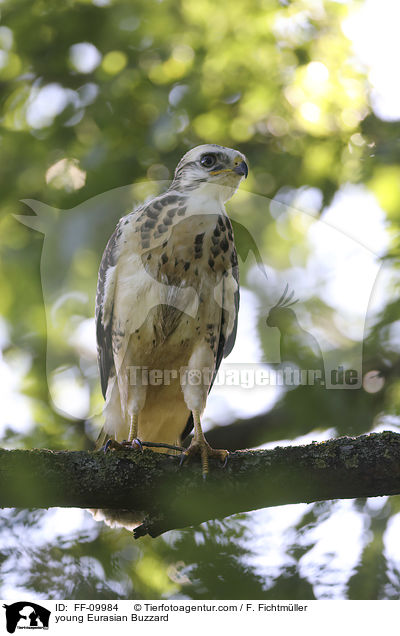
[(175, 497)]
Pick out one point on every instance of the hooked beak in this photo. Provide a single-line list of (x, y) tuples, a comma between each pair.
[(241, 169)]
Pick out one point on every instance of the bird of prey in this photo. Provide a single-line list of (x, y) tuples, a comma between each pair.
[(167, 305)]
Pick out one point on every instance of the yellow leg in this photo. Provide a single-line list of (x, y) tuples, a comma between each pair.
[(133, 427), (199, 445), (201, 441)]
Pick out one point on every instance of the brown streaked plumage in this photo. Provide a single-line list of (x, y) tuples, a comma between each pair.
[(167, 304)]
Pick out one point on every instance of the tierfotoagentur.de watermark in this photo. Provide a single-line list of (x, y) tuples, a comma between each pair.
[(244, 376)]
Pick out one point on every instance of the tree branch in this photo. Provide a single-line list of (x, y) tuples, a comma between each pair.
[(173, 497)]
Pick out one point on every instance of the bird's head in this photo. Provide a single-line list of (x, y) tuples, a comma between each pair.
[(211, 165)]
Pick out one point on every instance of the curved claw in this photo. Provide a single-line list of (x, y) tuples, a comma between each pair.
[(136, 443), (182, 459), (107, 445), (133, 444), (111, 443), (224, 463)]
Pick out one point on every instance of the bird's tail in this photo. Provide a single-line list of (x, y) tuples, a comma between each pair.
[(118, 518)]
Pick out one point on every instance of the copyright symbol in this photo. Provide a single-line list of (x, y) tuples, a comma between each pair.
[(137, 607)]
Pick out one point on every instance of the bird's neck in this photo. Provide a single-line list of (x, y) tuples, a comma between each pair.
[(204, 191)]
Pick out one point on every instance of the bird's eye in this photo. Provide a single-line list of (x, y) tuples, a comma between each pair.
[(208, 161)]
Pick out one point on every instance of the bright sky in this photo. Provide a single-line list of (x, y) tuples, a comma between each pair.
[(374, 31)]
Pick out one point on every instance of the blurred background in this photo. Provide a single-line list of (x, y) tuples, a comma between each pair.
[(99, 100)]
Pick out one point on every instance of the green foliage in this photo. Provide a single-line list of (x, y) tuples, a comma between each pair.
[(101, 96)]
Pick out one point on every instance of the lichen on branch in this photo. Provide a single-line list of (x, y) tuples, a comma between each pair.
[(175, 497)]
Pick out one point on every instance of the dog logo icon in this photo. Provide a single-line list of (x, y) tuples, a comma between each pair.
[(26, 615)]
